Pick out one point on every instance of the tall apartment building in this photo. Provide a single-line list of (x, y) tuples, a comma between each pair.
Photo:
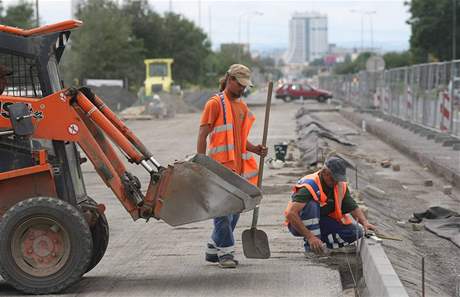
[(307, 37)]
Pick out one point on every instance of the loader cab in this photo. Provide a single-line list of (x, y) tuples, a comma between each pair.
[(32, 58), (158, 76)]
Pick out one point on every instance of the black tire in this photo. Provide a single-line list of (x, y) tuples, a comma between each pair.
[(55, 245), (321, 99), (287, 99), (100, 236)]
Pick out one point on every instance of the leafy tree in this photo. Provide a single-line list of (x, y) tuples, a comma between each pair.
[(310, 71), (353, 66), (20, 15), (171, 36), (105, 47), (317, 62), (147, 25), (187, 45), (268, 66), (431, 25), (114, 41), (218, 62), (395, 59)]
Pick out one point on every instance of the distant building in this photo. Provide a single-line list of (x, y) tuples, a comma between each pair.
[(307, 38)]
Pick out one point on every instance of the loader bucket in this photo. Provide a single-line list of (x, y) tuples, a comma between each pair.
[(199, 189)]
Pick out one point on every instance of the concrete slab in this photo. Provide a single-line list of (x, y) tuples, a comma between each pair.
[(381, 279)]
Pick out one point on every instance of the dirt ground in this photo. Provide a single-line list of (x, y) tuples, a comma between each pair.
[(154, 259), (405, 194)]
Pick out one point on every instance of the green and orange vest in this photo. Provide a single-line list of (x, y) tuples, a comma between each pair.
[(312, 183)]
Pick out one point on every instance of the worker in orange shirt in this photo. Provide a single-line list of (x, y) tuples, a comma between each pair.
[(227, 120)]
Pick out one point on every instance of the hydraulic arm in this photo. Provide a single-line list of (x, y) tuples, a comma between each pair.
[(82, 117)]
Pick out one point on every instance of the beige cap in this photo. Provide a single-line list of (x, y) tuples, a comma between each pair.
[(241, 73)]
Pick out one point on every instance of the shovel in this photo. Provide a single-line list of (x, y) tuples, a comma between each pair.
[(255, 242)]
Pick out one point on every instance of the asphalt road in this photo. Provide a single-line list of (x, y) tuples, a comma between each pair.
[(154, 259)]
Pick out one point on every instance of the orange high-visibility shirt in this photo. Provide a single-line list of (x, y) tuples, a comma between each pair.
[(239, 111)]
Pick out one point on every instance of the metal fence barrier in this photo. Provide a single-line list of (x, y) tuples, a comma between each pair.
[(423, 94)]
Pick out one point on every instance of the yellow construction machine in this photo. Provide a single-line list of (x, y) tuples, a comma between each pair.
[(158, 76)]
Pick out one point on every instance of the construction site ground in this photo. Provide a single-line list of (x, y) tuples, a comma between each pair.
[(154, 259)]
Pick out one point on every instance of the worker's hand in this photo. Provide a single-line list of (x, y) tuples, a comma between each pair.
[(316, 245), (367, 226), (261, 150)]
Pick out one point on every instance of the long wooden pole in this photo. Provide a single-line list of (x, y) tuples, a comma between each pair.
[(264, 143)]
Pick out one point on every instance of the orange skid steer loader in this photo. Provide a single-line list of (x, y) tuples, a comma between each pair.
[(51, 231)]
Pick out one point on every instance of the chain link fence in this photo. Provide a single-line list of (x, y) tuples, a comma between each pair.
[(423, 94)]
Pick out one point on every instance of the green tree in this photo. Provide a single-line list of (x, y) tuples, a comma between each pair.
[(170, 36), (395, 59), (431, 26), (20, 15), (105, 47), (147, 25), (217, 63), (187, 45), (353, 66)]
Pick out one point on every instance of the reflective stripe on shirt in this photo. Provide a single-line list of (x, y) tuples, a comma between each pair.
[(222, 128), (222, 148), (246, 156), (249, 175)]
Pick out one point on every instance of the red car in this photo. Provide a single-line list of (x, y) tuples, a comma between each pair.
[(288, 92)]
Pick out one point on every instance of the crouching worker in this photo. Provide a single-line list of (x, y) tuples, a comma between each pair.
[(320, 208)]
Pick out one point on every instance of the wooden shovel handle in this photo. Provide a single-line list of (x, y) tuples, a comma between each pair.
[(255, 215), (264, 137)]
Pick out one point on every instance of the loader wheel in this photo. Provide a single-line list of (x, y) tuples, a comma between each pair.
[(46, 245), (100, 235)]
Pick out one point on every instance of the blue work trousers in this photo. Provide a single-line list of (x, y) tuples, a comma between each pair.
[(222, 241), (329, 230)]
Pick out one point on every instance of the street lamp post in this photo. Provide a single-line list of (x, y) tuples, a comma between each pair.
[(37, 17), (454, 25), (255, 13), (199, 13), (240, 18), (363, 13), (452, 66), (210, 23)]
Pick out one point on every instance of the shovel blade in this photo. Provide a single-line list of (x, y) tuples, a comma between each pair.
[(255, 244)]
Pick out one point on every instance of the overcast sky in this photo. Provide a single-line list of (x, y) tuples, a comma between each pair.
[(227, 21)]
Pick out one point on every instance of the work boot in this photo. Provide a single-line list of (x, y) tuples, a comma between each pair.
[(211, 254), (227, 261)]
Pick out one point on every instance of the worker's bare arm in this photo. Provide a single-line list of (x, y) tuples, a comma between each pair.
[(292, 215), (256, 149), (202, 135), (361, 218)]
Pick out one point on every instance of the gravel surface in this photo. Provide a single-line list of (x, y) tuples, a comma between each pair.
[(405, 194)]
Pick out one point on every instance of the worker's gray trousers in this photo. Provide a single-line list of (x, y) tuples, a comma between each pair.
[(330, 231)]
